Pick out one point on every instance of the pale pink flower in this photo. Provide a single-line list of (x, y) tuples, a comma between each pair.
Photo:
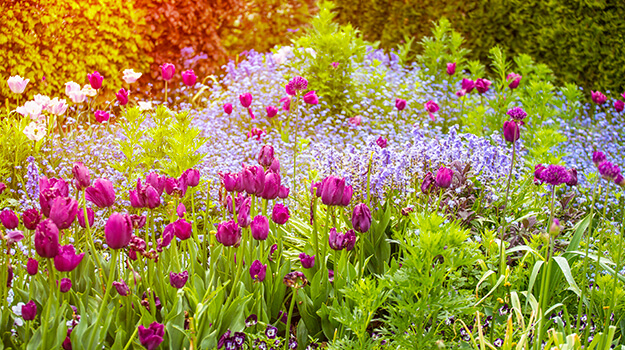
[(355, 120), (35, 131), (77, 96), (30, 109), (89, 91), (71, 86), (42, 100), (145, 105), (17, 84), (56, 106), (130, 76)]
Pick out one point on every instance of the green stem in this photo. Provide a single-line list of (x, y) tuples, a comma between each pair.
[(287, 335), (585, 269), (502, 255), (53, 288), (109, 284), (165, 91), (90, 239), (131, 338)]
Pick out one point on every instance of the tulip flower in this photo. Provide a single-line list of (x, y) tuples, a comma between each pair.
[(355, 120), (349, 241), (400, 104), (29, 311), (286, 103), (258, 271), (122, 97), (101, 193), (382, 142), (332, 190), (181, 210), (178, 280), (467, 85), (284, 192), (70, 87), (32, 266), (482, 85), (246, 100), (311, 98), (13, 237), (9, 219), (63, 212), (2, 187), (253, 180), (151, 337), (47, 239), (177, 187), (121, 287), (118, 230), (30, 109), (66, 285), (308, 261), (156, 181), (619, 105), (56, 106), (514, 79), (361, 218), (17, 84), (265, 156), (231, 181), (335, 65), (130, 76), (67, 260), (82, 177), (336, 239), (572, 177), (228, 108), (347, 196), (95, 80), (182, 229), (451, 68), (101, 116), (191, 177), (81, 217), (243, 213), (167, 71), (189, 78), (280, 214), (511, 131), (444, 177), (598, 97), (272, 186), (431, 107), (228, 233), (255, 133), (260, 227)]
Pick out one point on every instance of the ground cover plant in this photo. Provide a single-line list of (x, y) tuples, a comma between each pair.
[(326, 194)]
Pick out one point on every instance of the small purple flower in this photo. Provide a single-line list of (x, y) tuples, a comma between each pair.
[(251, 320), (598, 157), (271, 332)]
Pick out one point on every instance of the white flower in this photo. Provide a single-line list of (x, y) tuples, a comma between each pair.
[(30, 109), (17, 84), (311, 52), (42, 100), (35, 131), (283, 54), (70, 86), (145, 105), (130, 76), (77, 96), (56, 106), (89, 91)]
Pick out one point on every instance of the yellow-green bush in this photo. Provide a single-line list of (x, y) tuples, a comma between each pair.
[(64, 40)]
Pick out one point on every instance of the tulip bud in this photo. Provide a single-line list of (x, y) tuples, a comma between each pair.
[(63, 212), (32, 266), (347, 196), (272, 186), (189, 78), (514, 79), (275, 166), (191, 177), (482, 85), (451, 68), (428, 183), (31, 218), (349, 241), (308, 261), (619, 180), (151, 337), (311, 98), (101, 193), (444, 177), (400, 104), (280, 214), (167, 71), (598, 97), (82, 178), (260, 227), (284, 192), (361, 218), (336, 239), (47, 239), (467, 85), (181, 210), (121, 287), (271, 111), (9, 219), (67, 260), (265, 156), (228, 233), (66, 285), (572, 177), (182, 229), (95, 80), (619, 105), (178, 280), (101, 116), (228, 108), (246, 100), (511, 131), (382, 142), (258, 271), (29, 311), (122, 97), (2, 187), (118, 230)]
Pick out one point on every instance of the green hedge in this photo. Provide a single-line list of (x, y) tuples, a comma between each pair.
[(583, 41)]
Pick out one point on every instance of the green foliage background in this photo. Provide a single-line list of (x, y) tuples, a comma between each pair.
[(582, 41)]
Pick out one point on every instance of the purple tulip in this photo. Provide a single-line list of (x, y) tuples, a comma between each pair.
[(308, 261), (347, 195), (151, 337), (182, 229), (284, 192), (67, 260), (121, 287), (228, 233), (177, 187), (228, 108), (598, 97), (431, 107), (47, 239), (191, 177), (336, 239), (349, 241), (63, 212), (311, 98), (229, 180), (361, 218), (482, 85), (9, 219), (382, 142), (29, 311), (451, 68), (272, 111), (178, 280), (258, 271), (189, 78), (272, 186), (156, 181), (82, 178), (246, 100), (260, 227), (30, 218), (286, 103), (67, 343), (243, 212), (253, 179), (13, 237), (122, 96), (514, 80), (572, 177), (2, 187), (400, 104), (95, 80), (118, 230), (619, 106), (167, 71), (271, 251), (444, 177), (280, 214), (66, 285), (168, 236), (32, 266), (49, 189), (511, 131), (332, 189), (101, 193), (275, 166), (265, 156), (428, 183), (619, 180), (467, 85), (138, 221), (181, 210)]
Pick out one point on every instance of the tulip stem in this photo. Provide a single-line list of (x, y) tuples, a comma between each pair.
[(98, 263), (44, 321), (109, 284), (131, 338), (502, 254), (165, 91), (287, 335)]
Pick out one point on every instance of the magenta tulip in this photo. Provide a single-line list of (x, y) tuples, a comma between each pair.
[(118, 230), (311, 98), (95, 80), (122, 97), (67, 260), (189, 78), (260, 227), (47, 239), (82, 177), (167, 71), (9, 219), (178, 280), (280, 214), (63, 212), (228, 233), (228, 108), (101, 193)]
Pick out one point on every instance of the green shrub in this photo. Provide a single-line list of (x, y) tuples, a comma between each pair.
[(65, 40), (581, 41)]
